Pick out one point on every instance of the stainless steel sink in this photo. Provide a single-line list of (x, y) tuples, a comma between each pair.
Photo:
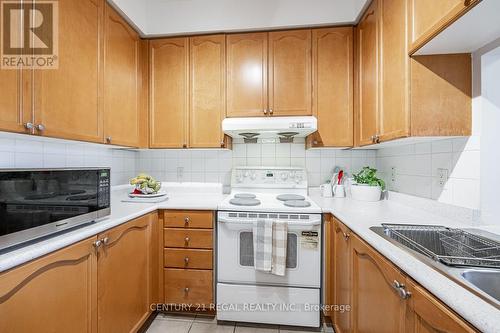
[(470, 257), (486, 280)]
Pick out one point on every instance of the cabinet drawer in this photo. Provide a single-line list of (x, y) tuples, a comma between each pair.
[(188, 238), (182, 258), (188, 219), (188, 286)]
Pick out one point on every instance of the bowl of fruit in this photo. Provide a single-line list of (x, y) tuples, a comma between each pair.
[(146, 186)]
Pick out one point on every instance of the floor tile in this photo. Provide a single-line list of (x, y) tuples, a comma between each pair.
[(169, 326), (299, 330), (206, 319), (176, 316), (250, 329), (197, 327)]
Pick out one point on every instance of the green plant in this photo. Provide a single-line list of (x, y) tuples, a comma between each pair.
[(367, 176)]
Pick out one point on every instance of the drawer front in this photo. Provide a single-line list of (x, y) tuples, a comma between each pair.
[(188, 286), (188, 219), (182, 258), (188, 238)]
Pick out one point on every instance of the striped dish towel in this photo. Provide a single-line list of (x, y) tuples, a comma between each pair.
[(263, 245), (280, 236)]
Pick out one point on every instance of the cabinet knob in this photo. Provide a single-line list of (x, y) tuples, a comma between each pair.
[(186, 290), (187, 239), (184, 145), (97, 244), (271, 111), (265, 111), (40, 127), (315, 142), (222, 144), (187, 220), (108, 139), (186, 260), (29, 126), (377, 138), (346, 236), (105, 241)]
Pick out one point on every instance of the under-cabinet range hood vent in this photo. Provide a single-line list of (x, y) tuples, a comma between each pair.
[(283, 128)]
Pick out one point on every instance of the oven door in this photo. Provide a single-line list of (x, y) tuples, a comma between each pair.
[(235, 259)]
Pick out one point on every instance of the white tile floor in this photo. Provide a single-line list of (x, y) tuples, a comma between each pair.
[(179, 323)]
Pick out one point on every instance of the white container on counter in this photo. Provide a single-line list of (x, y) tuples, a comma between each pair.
[(363, 192)]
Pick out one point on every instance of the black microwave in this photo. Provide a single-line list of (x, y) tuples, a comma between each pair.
[(36, 203)]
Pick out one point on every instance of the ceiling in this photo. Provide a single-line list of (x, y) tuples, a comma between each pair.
[(178, 17)]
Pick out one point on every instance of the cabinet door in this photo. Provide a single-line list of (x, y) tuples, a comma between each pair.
[(12, 115), (427, 314), (332, 87), (246, 74), (169, 92), (121, 81), (290, 83), (125, 275), (342, 276), (207, 91), (58, 292), (367, 81), (429, 17), (394, 71), (377, 306), (66, 100)]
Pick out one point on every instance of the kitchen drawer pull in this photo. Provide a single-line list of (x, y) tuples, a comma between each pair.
[(401, 289), (186, 260), (186, 290), (346, 236), (187, 219), (187, 240)]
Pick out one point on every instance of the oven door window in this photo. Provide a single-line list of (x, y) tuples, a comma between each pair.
[(246, 250)]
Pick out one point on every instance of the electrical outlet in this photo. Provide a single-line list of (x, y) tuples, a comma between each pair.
[(180, 173), (442, 176), (393, 174)]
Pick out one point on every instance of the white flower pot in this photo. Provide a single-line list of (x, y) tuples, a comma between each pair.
[(363, 192)]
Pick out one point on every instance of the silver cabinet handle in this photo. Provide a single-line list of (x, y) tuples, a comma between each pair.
[(271, 111), (346, 236), (265, 111), (186, 260), (401, 290), (108, 139), (40, 127), (186, 239), (187, 219), (97, 244), (377, 138), (105, 241), (186, 290), (29, 126)]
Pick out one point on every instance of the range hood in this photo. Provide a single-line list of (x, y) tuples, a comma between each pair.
[(285, 128)]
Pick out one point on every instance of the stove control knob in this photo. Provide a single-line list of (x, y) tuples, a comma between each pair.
[(247, 174), (253, 176), (284, 176)]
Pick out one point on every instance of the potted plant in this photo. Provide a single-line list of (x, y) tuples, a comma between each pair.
[(367, 186)]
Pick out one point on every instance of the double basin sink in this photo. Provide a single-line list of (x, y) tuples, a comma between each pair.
[(470, 257)]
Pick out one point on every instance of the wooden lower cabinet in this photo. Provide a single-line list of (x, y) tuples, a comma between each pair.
[(382, 297), (126, 270), (188, 259), (56, 293)]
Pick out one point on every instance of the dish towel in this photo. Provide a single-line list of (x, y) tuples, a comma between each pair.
[(280, 236), (263, 245)]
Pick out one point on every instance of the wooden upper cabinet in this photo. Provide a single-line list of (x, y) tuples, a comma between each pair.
[(341, 263), (207, 91), (332, 73), (246, 68), (122, 73), (67, 99), (125, 275), (377, 306), (429, 17), (290, 74), (58, 291), (368, 76), (169, 100), (13, 116), (427, 314), (394, 72)]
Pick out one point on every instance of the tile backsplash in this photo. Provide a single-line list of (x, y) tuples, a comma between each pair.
[(445, 170), (22, 151), (215, 165)]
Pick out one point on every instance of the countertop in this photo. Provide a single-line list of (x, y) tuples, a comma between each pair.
[(358, 216)]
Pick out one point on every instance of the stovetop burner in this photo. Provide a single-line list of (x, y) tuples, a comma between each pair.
[(288, 197), (244, 202), (297, 203), (82, 197), (245, 196), (71, 192)]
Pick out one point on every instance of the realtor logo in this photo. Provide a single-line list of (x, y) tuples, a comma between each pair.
[(29, 34)]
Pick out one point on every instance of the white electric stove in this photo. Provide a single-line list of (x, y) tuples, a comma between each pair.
[(247, 295)]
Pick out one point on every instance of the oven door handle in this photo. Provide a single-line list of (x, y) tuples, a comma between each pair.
[(291, 223)]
